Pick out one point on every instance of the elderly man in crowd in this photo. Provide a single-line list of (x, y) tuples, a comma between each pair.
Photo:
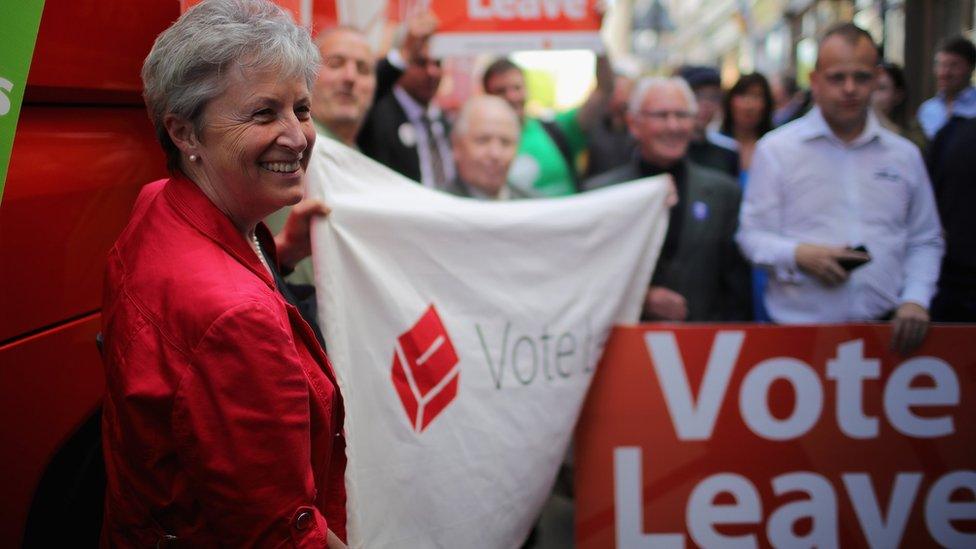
[(835, 180), (954, 63), (484, 140), (700, 275), (405, 130)]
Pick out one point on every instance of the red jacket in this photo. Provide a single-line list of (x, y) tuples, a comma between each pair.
[(222, 422)]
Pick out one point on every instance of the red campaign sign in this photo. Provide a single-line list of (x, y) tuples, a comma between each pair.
[(424, 372), (759, 436), (500, 26)]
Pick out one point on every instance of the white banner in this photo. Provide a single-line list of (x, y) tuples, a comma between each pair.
[(464, 336)]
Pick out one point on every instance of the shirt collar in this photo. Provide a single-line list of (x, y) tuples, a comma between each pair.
[(505, 193), (968, 94), (414, 110), (203, 215), (815, 126), (324, 131)]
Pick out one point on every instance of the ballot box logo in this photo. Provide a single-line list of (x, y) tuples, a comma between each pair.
[(425, 370)]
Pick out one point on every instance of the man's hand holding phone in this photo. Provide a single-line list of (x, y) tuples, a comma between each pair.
[(831, 265)]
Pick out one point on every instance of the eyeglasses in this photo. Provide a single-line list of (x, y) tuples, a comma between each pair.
[(662, 116)]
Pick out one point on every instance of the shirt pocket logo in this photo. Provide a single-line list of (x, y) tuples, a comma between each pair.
[(888, 174)]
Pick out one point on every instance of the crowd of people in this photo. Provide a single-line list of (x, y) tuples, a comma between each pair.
[(222, 416), (739, 155)]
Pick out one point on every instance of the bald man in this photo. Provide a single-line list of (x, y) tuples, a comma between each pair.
[(343, 90), (484, 141), (341, 97)]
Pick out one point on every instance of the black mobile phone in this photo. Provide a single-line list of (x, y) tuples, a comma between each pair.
[(851, 264)]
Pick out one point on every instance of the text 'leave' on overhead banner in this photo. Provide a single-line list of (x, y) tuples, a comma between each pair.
[(502, 26)]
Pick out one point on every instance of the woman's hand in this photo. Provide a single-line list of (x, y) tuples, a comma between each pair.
[(294, 242), (334, 542)]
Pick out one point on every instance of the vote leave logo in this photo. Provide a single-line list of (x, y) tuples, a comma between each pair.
[(425, 372)]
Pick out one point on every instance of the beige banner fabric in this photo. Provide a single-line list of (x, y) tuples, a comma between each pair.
[(464, 335)]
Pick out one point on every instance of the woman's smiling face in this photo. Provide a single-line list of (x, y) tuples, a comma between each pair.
[(255, 141)]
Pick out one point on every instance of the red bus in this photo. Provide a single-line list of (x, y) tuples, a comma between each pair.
[(83, 148)]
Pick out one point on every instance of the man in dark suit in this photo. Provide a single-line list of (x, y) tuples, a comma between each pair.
[(404, 130), (700, 275)]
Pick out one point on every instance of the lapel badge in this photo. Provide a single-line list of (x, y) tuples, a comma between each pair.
[(407, 135)]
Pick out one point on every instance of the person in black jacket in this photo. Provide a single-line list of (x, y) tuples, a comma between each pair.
[(405, 130), (700, 275), (708, 147), (954, 180)]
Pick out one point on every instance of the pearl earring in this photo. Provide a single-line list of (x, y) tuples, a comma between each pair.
[(193, 158)]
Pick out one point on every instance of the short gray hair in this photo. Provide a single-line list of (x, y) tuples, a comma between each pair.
[(186, 67), (460, 126), (649, 83)]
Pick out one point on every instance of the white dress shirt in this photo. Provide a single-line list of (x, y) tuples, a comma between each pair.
[(808, 186), (415, 113)]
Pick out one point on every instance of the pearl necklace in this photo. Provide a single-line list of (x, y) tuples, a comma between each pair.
[(257, 249)]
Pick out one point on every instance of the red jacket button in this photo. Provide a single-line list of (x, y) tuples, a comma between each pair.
[(303, 520)]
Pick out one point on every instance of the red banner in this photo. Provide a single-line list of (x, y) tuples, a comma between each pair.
[(500, 26), (753, 436)]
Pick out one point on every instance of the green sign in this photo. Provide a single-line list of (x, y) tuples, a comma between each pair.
[(19, 21)]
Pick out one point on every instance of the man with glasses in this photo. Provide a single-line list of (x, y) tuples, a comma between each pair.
[(840, 209), (700, 275), (405, 130)]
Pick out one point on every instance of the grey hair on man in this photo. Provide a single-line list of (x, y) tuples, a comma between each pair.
[(189, 61), (647, 84), (479, 102)]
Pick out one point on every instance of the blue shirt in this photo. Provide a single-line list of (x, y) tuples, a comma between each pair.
[(933, 114)]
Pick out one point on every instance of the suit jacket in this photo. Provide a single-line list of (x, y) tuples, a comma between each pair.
[(709, 155), (222, 421), (706, 267), (380, 137)]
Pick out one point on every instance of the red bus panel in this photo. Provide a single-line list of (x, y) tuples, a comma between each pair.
[(49, 383), (92, 50), (74, 173)]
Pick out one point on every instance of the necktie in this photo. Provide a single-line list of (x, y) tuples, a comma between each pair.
[(436, 161)]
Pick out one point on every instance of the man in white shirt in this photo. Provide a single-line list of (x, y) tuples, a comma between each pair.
[(831, 181)]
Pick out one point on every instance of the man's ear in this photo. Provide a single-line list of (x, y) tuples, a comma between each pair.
[(631, 119), (182, 133)]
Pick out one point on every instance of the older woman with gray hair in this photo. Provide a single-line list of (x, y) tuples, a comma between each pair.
[(222, 418)]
